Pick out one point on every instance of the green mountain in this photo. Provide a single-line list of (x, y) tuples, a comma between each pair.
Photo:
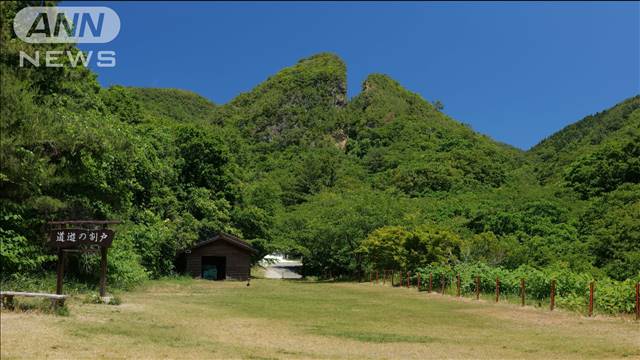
[(405, 142), (178, 105), (296, 100), (293, 165), (136, 105), (587, 136)]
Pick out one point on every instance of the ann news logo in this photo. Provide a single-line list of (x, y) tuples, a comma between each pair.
[(47, 25)]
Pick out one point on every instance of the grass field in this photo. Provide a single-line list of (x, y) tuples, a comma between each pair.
[(294, 319)]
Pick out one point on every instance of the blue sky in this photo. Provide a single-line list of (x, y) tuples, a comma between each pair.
[(517, 72)]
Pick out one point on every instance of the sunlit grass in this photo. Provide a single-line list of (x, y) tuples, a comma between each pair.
[(184, 318)]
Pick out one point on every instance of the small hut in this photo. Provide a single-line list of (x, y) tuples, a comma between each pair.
[(222, 257)]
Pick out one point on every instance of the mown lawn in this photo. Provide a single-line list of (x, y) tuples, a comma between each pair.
[(295, 319)]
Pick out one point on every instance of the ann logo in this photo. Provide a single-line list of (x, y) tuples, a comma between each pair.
[(46, 24), (41, 25), (92, 24)]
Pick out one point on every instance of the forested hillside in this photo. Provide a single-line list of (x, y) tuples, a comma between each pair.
[(590, 135), (383, 179), (167, 104)]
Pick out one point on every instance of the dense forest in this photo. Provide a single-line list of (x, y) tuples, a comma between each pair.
[(382, 180)]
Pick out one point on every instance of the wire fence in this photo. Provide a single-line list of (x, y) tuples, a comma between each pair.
[(455, 285)]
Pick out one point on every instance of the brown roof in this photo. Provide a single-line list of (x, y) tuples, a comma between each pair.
[(233, 240)]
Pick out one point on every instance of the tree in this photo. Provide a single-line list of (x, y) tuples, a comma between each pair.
[(385, 247), (614, 164), (204, 159), (611, 229), (396, 247)]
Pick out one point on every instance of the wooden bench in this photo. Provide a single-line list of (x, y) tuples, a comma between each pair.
[(6, 298)]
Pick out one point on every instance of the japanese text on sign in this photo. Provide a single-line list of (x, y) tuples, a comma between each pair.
[(73, 237)]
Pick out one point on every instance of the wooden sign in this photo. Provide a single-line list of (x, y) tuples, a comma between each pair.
[(69, 238)]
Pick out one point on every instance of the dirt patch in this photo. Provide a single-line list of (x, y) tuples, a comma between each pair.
[(597, 326)]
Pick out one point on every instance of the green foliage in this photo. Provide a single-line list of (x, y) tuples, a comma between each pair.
[(611, 228), (486, 247), (173, 105), (385, 247), (583, 137), (203, 159), (409, 145), (613, 164), (538, 233), (329, 228), (572, 289), (121, 103), (417, 180), (71, 150), (396, 247), (17, 253), (291, 104)]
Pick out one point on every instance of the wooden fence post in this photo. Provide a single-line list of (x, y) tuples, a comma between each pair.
[(408, 279), (638, 301), (419, 276), (497, 289), (376, 277), (458, 285), (60, 272), (522, 290), (430, 282), (103, 271), (591, 285), (477, 287), (553, 295)]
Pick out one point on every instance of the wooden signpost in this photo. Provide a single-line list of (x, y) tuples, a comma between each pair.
[(84, 236)]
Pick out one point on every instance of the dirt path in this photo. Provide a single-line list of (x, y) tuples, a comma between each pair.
[(283, 270)]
